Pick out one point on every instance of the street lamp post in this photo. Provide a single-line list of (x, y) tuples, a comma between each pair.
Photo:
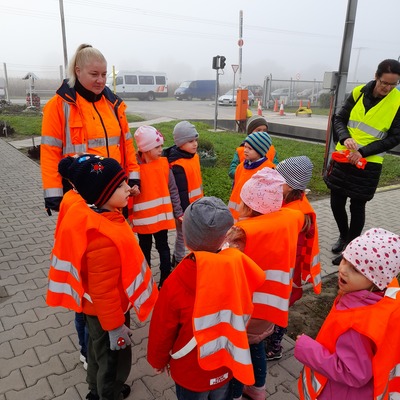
[(235, 68)]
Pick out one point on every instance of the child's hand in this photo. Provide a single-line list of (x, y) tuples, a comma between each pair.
[(299, 336), (135, 191), (161, 370)]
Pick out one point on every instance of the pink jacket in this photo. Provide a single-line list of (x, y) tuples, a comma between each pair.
[(349, 369)]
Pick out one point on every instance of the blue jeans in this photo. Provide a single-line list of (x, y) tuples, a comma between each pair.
[(83, 333), (222, 393), (259, 360)]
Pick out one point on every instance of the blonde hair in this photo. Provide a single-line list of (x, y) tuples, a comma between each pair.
[(83, 55)]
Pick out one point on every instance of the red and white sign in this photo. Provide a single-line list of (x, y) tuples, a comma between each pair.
[(240, 42)]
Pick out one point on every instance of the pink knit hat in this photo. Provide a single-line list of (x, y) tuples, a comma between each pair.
[(376, 254), (263, 192), (147, 138)]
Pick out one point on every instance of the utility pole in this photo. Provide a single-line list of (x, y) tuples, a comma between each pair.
[(63, 37), (240, 43)]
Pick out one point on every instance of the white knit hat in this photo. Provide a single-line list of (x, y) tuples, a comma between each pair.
[(376, 254), (263, 192), (297, 171), (147, 138)]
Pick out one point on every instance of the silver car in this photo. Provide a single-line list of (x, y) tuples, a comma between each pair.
[(229, 98)]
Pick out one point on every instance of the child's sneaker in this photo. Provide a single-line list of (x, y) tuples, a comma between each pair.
[(274, 354), (254, 393)]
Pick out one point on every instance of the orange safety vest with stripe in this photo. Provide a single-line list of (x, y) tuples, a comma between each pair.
[(73, 125), (152, 210), (271, 241), (192, 170), (65, 286), (309, 258), (225, 284), (270, 154), (379, 322), (242, 175)]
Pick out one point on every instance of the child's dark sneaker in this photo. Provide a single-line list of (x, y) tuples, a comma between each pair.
[(125, 391), (274, 355)]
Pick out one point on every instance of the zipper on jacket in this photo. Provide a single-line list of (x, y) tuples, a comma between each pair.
[(104, 128)]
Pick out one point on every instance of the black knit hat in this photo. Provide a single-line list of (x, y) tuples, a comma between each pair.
[(95, 178)]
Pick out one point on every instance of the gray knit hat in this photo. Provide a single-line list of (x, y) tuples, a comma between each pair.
[(259, 141), (184, 132), (297, 171), (254, 122), (205, 224)]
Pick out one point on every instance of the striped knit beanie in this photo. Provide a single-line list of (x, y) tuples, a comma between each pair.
[(95, 178), (296, 171), (259, 141)]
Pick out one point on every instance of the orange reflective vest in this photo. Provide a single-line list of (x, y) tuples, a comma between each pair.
[(152, 208), (242, 175), (193, 176), (223, 306), (310, 260), (65, 284), (72, 125), (271, 241), (379, 322), (270, 154)]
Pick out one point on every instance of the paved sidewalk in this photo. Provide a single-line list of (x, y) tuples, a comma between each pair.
[(39, 357)]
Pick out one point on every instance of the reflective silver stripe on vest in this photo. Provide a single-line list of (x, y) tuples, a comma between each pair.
[(144, 296), (367, 129), (315, 260), (241, 356), (134, 175), (153, 220), (128, 135), (305, 387), (317, 279), (53, 192), (52, 141), (195, 192), (395, 372), (392, 292), (65, 266), (131, 289), (278, 276), (146, 205), (101, 142), (238, 322), (233, 205), (64, 288), (315, 382), (271, 300)]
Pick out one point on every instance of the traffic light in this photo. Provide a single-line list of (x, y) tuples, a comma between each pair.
[(222, 62), (215, 62)]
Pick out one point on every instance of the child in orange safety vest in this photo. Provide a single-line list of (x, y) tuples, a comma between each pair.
[(97, 268), (198, 327), (157, 206), (185, 165), (356, 354), (297, 172), (256, 146), (267, 233)]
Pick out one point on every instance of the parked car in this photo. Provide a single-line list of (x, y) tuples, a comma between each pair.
[(257, 90), (228, 97), (202, 89), (314, 97), (304, 94), (278, 93)]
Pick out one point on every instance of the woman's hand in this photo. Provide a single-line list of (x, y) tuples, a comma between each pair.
[(354, 157), (351, 144)]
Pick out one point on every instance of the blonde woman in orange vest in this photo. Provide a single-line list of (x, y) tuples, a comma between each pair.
[(297, 172), (84, 116), (356, 354), (268, 234), (198, 326), (157, 206), (256, 145), (98, 268), (254, 124), (185, 164)]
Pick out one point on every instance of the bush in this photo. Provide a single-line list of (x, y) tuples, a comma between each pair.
[(324, 100)]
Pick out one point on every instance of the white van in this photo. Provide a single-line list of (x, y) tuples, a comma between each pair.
[(138, 84)]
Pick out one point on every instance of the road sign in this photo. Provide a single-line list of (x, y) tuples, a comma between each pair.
[(240, 42), (235, 67)]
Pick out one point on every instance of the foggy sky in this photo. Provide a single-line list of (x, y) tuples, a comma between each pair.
[(288, 39)]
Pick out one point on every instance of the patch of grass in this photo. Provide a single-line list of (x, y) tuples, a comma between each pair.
[(25, 125)]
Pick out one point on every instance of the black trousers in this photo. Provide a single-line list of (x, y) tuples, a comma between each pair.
[(347, 231), (162, 246), (107, 369)]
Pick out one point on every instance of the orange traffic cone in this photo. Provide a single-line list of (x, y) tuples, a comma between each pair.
[(276, 108), (281, 110), (259, 109), (309, 104), (301, 103)]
